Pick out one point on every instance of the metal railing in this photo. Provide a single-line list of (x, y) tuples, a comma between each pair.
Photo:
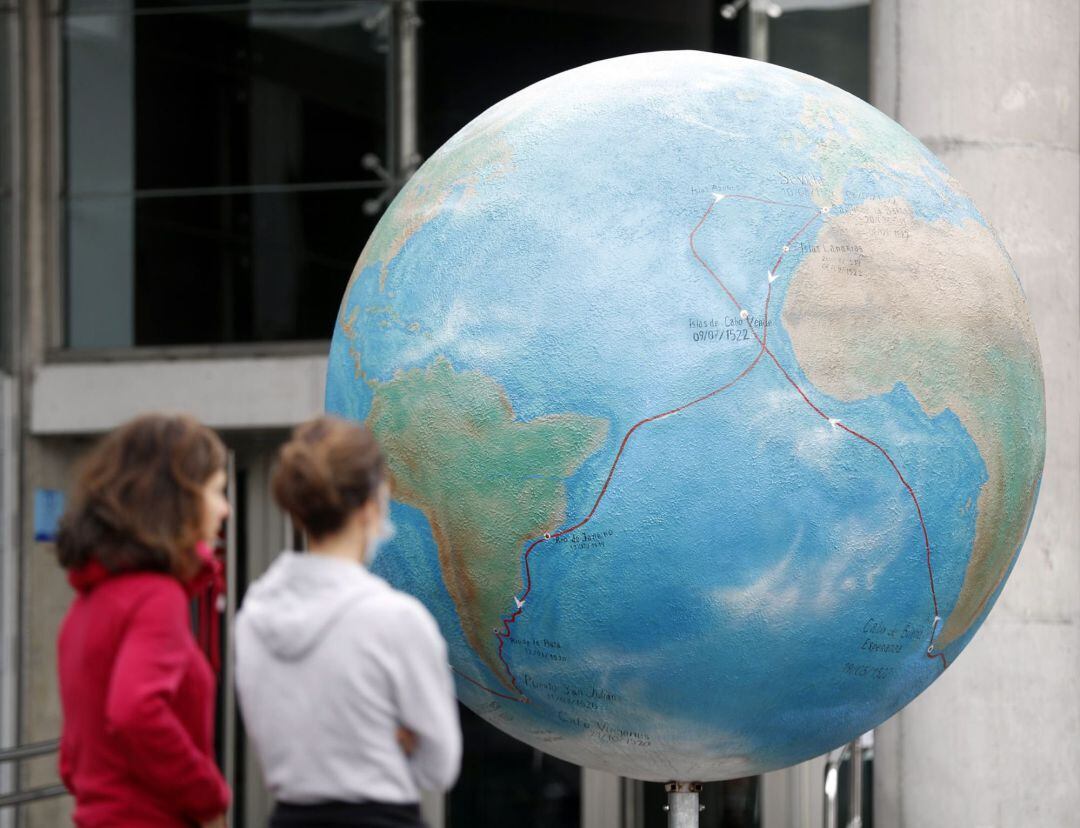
[(853, 753), (21, 753)]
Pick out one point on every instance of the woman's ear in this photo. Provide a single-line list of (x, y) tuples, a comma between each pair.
[(367, 517)]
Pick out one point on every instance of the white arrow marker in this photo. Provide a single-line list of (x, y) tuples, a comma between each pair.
[(519, 602), (718, 196), (835, 423), (773, 277)]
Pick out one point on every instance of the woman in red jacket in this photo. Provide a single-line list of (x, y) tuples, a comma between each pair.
[(137, 692)]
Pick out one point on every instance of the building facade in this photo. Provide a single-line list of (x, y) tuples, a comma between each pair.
[(184, 187)]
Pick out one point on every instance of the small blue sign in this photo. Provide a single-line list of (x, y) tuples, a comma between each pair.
[(48, 507)]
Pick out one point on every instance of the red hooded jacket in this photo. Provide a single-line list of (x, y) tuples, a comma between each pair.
[(138, 697)]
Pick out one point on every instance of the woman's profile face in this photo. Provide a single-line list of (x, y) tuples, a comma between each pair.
[(215, 506)]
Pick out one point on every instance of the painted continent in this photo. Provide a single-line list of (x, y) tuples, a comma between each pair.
[(486, 481), (883, 298)]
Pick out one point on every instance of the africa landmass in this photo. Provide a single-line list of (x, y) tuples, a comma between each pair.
[(879, 299)]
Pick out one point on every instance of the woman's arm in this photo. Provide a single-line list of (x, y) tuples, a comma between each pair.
[(149, 668), (427, 705)]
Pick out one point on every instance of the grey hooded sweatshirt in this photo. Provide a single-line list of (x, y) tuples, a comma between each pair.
[(330, 662)]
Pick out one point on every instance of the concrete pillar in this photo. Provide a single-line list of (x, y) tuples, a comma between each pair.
[(991, 86)]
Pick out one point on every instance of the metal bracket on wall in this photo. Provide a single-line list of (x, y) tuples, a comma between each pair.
[(378, 23), (375, 204), (397, 23), (729, 11)]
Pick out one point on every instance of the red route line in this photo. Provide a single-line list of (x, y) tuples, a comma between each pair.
[(926, 539), (507, 621), (785, 249), (930, 651), (504, 634), (484, 686)]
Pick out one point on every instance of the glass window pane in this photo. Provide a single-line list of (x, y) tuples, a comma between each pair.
[(215, 167), (244, 268), (99, 64), (829, 39), (261, 97), (172, 7), (211, 269), (461, 40), (101, 269)]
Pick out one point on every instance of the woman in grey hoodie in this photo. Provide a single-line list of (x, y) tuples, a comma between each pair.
[(343, 681)]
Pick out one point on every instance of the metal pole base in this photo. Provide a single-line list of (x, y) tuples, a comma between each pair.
[(683, 807)]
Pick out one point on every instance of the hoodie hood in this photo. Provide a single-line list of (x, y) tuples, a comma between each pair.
[(292, 606), (210, 574), (84, 578)]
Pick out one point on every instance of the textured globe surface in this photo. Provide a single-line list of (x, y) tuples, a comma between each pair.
[(713, 411)]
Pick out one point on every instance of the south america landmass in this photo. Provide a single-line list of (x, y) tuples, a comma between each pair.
[(486, 481)]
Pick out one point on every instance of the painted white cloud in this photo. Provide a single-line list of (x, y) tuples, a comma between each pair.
[(804, 583), (774, 595), (438, 340)]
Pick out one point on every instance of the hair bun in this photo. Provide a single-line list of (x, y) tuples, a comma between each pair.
[(327, 470), (309, 479)]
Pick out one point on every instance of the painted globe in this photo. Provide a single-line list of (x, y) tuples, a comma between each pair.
[(712, 409)]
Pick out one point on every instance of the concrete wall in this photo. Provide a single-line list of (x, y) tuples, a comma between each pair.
[(47, 464), (9, 584), (991, 86), (243, 393)]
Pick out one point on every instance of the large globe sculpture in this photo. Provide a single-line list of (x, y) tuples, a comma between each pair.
[(712, 407)]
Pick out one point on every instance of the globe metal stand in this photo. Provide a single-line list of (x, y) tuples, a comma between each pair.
[(683, 806)]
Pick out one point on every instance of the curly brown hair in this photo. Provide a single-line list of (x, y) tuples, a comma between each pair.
[(329, 468), (138, 499)]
